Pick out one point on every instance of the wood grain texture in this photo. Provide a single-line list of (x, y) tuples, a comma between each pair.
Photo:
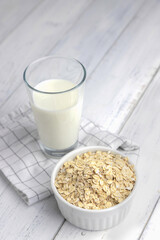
[(126, 71), (18, 221), (118, 43), (31, 231), (142, 206), (90, 37), (39, 220), (152, 230), (96, 31), (13, 13), (142, 127), (34, 38)]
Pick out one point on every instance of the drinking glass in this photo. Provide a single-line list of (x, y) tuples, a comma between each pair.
[(55, 86)]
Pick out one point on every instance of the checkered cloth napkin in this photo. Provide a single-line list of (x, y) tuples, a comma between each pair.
[(27, 168)]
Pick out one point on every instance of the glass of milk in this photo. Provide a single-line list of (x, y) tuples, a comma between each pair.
[(55, 86)]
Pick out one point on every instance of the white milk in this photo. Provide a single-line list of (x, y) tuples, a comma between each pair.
[(57, 115)]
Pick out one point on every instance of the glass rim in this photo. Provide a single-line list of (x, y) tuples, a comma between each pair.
[(47, 57)]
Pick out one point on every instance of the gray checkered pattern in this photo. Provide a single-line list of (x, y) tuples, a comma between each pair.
[(27, 168)]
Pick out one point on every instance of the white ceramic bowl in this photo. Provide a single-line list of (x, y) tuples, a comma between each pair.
[(90, 219)]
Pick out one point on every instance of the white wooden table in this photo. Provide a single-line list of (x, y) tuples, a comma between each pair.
[(119, 43)]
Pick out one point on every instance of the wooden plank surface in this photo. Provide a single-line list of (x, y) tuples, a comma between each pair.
[(38, 220), (130, 76), (152, 230), (18, 221), (142, 127), (26, 230), (119, 44), (82, 41), (69, 230), (34, 38), (126, 70), (13, 13)]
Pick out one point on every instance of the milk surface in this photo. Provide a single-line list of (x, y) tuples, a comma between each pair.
[(57, 115)]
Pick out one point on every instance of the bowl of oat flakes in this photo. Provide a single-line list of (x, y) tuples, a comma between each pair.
[(94, 187)]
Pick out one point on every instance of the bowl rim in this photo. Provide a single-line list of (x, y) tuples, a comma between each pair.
[(83, 150)]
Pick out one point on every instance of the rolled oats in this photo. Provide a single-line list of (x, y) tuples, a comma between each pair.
[(96, 180)]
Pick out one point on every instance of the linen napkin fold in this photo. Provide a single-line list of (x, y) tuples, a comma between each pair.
[(24, 164)]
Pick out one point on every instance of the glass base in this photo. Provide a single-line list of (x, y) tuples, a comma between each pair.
[(57, 153)]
